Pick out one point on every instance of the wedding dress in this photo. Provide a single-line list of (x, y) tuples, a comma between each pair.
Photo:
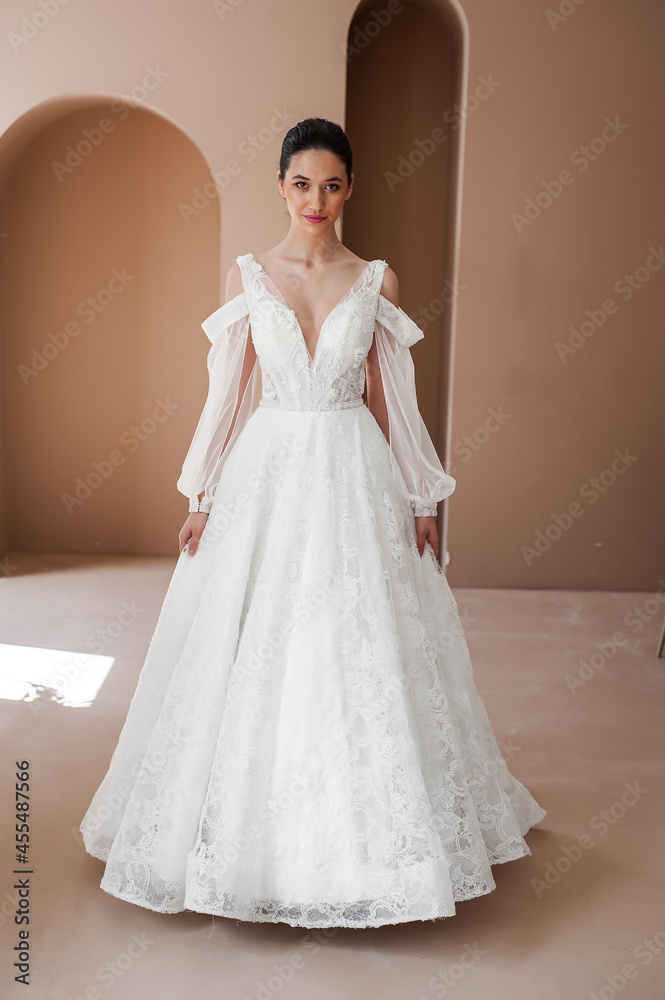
[(306, 743)]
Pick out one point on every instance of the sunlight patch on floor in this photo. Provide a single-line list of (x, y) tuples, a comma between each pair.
[(74, 679)]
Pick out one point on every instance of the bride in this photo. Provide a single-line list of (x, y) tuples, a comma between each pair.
[(306, 743)]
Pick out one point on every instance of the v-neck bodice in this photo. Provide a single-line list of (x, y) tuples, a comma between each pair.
[(298, 324), (335, 376)]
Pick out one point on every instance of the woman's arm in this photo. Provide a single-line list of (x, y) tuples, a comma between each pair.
[(233, 373), (376, 399), (392, 400)]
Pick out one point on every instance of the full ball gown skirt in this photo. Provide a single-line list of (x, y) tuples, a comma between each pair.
[(306, 743)]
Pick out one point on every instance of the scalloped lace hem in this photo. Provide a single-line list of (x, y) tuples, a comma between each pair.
[(269, 911)]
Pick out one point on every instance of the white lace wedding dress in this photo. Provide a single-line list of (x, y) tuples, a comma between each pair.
[(306, 743)]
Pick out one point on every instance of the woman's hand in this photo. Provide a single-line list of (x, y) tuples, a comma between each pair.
[(426, 529), (191, 532)]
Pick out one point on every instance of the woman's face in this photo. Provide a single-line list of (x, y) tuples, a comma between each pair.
[(315, 189)]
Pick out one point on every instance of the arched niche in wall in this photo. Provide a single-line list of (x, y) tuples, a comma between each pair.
[(110, 261), (406, 79)]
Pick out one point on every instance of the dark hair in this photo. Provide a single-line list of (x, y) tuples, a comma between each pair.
[(316, 133)]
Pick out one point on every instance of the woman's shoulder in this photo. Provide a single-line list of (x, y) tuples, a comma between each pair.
[(390, 286), (276, 261), (234, 285)]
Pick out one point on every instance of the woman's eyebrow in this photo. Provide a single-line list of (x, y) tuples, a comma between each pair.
[(302, 177)]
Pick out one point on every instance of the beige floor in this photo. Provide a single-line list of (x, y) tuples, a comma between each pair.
[(566, 922)]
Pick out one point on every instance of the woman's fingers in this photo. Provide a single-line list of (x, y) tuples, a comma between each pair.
[(191, 532), (183, 537), (426, 530)]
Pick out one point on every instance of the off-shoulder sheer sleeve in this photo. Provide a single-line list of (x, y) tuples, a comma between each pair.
[(417, 468), (233, 374)]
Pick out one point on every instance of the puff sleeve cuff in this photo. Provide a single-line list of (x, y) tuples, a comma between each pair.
[(416, 465)]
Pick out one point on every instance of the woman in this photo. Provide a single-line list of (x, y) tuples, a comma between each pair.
[(306, 742)]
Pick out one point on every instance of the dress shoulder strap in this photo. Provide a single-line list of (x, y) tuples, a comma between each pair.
[(376, 278), (248, 268), (379, 270)]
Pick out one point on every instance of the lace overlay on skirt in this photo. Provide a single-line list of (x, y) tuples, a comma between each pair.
[(306, 742)]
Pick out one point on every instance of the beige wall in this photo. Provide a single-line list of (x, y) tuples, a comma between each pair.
[(524, 290), (104, 367), (407, 193), (232, 82)]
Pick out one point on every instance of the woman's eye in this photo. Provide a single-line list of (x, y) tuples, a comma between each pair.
[(335, 187)]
